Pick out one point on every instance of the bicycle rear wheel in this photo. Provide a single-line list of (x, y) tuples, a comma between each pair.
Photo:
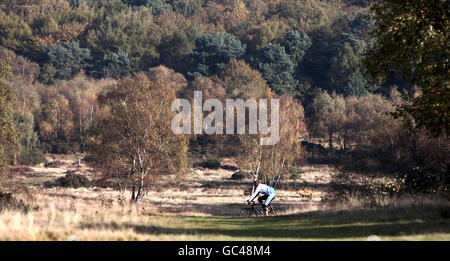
[(272, 211), (246, 212)]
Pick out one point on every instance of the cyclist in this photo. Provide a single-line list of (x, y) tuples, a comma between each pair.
[(268, 195)]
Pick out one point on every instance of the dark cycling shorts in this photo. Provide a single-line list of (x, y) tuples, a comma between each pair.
[(264, 197)]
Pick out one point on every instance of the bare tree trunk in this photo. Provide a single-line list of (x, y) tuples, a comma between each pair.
[(256, 174), (345, 142), (140, 193), (81, 133), (280, 172), (91, 114), (133, 192), (340, 142), (330, 139)]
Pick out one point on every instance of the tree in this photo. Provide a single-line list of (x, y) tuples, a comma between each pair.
[(356, 84), (114, 65), (229, 16), (344, 74), (125, 29), (82, 93), (22, 69), (186, 7), (56, 125), (328, 115), (213, 51), (307, 15), (411, 39), (363, 120), (276, 68), (296, 44), (30, 152), (16, 34), (64, 60), (176, 49), (172, 80), (241, 81), (361, 25), (133, 132), (157, 5), (8, 134), (54, 21), (269, 162), (271, 31)]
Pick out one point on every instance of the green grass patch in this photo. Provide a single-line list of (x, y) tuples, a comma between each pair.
[(36, 181), (401, 223)]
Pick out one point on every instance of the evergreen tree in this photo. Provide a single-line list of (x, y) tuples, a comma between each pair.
[(114, 65), (276, 68), (213, 51), (62, 61), (296, 44), (157, 5)]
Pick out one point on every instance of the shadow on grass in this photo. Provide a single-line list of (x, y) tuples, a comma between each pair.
[(313, 225), (297, 233), (218, 210)]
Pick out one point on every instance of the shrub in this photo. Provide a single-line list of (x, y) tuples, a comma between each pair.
[(211, 162), (239, 175), (104, 183), (60, 147), (426, 181), (335, 198), (375, 192), (53, 164), (444, 212), (372, 193), (210, 184), (228, 167), (7, 201), (32, 157), (295, 172), (71, 180)]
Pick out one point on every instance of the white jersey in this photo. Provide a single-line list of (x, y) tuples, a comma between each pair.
[(262, 188)]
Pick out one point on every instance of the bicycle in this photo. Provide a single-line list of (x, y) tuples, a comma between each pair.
[(250, 210)]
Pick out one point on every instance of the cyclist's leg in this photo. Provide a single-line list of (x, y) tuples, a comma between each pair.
[(269, 199), (260, 200)]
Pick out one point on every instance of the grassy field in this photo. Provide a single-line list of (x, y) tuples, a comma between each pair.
[(207, 207), (423, 222)]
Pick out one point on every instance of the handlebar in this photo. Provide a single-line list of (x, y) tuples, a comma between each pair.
[(251, 203)]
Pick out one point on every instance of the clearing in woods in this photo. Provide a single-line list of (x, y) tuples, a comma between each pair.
[(206, 207)]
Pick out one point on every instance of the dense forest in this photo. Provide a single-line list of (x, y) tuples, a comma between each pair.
[(67, 64)]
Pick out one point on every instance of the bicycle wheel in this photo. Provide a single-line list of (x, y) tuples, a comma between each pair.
[(246, 212), (258, 212), (272, 211)]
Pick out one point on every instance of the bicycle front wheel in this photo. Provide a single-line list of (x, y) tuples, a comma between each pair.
[(246, 212)]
